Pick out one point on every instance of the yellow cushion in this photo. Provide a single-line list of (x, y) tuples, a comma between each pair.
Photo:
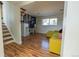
[(54, 45)]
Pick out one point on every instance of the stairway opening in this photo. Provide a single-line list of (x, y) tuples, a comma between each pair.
[(7, 38)]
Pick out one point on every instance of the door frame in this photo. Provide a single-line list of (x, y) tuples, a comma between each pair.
[(1, 36)]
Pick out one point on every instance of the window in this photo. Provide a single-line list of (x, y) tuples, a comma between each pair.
[(49, 21), (45, 21)]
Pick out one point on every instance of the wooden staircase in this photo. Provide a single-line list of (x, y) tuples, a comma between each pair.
[(7, 38)]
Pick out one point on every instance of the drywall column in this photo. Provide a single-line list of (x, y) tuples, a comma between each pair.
[(11, 17), (1, 38), (70, 43)]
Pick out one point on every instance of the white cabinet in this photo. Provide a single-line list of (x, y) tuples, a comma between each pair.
[(24, 29)]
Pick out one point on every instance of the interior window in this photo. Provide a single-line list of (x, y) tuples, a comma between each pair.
[(53, 21), (49, 21), (45, 21)]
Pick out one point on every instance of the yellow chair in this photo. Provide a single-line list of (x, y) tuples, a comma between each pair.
[(55, 45)]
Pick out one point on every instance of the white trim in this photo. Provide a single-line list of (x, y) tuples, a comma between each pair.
[(1, 35), (64, 28)]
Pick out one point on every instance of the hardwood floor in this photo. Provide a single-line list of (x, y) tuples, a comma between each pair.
[(32, 46)]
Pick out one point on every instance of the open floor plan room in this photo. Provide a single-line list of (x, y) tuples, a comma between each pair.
[(32, 46), (39, 28)]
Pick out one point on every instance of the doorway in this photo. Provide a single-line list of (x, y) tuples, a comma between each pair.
[(49, 25)]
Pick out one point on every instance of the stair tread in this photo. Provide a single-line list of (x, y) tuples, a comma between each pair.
[(6, 35), (3, 24), (4, 28), (5, 32), (7, 40)]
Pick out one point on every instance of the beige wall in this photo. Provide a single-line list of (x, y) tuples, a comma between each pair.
[(11, 14), (1, 38)]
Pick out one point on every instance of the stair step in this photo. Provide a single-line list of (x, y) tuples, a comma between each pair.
[(6, 34), (5, 31), (7, 42), (4, 28), (3, 25), (6, 38), (2, 22)]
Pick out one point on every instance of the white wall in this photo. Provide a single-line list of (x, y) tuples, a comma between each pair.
[(11, 17), (43, 29), (1, 38), (70, 43)]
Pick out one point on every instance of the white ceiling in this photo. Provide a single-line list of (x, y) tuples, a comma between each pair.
[(44, 8), (41, 8), (21, 3)]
